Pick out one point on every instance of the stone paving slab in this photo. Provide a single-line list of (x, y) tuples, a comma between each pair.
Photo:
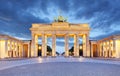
[(63, 69), (10, 64)]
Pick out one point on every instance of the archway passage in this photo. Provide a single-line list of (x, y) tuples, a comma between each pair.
[(71, 46), (39, 50), (80, 50), (80, 46), (49, 46), (49, 50), (60, 43)]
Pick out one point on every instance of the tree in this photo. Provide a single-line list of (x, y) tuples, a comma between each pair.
[(63, 53), (71, 51), (57, 53), (49, 50)]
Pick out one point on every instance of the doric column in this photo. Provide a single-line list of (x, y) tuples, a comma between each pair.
[(21, 48), (13, 48), (88, 45), (109, 49), (43, 45), (84, 45), (28, 53), (100, 49), (36, 46), (16, 50), (114, 48), (76, 45), (45, 51), (33, 45), (18, 47), (103, 49), (53, 45), (106, 53), (6, 49), (66, 45)]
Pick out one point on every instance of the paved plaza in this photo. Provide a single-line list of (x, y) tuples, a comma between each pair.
[(59, 66)]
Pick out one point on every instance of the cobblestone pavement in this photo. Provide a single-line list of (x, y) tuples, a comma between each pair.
[(59, 66)]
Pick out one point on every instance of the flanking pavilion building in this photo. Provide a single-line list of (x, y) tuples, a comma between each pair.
[(12, 47), (108, 47)]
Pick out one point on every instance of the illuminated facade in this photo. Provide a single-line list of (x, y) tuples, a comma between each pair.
[(11, 47), (107, 47), (60, 29)]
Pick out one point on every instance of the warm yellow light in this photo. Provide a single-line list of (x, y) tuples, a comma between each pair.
[(117, 43), (39, 47), (2, 48), (80, 47)]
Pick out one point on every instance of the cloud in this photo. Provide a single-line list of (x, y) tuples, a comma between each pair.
[(117, 32), (16, 16)]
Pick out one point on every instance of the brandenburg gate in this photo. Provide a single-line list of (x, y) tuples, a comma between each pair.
[(60, 28)]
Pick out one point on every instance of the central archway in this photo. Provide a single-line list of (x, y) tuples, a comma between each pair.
[(60, 43)]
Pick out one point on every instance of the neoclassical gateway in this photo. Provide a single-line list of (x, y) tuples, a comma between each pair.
[(107, 47), (60, 29)]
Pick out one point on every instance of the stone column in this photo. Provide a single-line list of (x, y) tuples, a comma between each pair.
[(6, 48), (103, 49), (88, 45), (84, 45), (17, 49), (100, 49), (28, 53), (33, 45), (76, 45), (36, 46), (53, 45), (45, 51), (11, 51), (13, 48), (66, 46), (21, 44), (109, 49), (106, 53), (43, 45), (114, 48)]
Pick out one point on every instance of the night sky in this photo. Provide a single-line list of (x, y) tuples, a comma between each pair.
[(16, 16)]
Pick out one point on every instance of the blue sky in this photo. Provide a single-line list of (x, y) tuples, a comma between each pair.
[(16, 16)]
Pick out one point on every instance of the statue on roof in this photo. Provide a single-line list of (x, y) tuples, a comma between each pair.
[(60, 18)]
